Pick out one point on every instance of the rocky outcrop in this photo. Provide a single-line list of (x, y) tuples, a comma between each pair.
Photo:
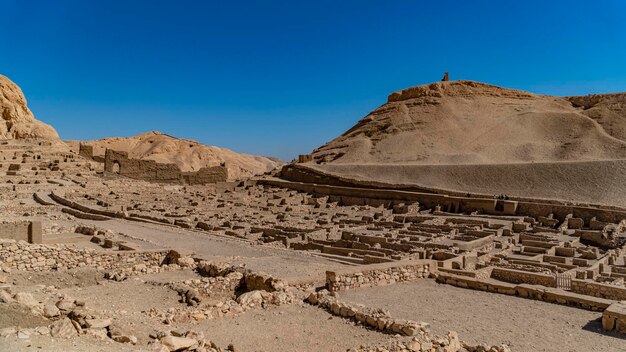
[(17, 121)]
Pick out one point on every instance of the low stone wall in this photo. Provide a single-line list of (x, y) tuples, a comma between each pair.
[(523, 277), (38, 257), (597, 289), (81, 215), (29, 231), (378, 274), (60, 198), (375, 318), (546, 294)]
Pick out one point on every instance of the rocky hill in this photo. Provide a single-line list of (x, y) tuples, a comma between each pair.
[(17, 121), (188, 155), (466, 122)]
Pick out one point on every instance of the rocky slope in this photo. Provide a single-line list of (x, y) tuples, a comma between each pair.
[(17, 121), (188, 155), (466, 122)]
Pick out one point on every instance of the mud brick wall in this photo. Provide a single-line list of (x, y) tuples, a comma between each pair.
[(378, 274), (150, 170), (597, 289), (523, 277), (29, 231)]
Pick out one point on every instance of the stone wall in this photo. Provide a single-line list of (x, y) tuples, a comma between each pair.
[(375, 318), (523, 277), (597, 289), (150, 170), (545, 294), (29, 231), (378, 274), (38, 257)]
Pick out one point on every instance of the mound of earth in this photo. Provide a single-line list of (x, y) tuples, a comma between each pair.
[(188, 155), (472, 137), (466, 122), (17, 121)]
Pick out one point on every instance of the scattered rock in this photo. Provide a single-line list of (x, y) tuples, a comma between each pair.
[(63, 329), (50, 311), (8, 331), (98, 323), (174, 343), (251, 298), (26, 299)]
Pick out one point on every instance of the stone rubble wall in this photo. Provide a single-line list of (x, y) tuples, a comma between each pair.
[(597, 289), (37, 257), (378, 274), (375, 318), (428, 343)]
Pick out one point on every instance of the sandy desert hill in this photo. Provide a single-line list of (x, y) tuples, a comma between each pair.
[(188, 155), (17, 120), (466, 122), (473, 137)]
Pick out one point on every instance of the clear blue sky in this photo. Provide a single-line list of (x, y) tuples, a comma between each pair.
[(283, 77)]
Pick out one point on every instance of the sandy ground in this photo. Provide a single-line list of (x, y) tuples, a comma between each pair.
[(526, 325), (284, 328)]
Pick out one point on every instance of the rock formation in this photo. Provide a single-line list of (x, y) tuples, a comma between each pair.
[(17, 121)]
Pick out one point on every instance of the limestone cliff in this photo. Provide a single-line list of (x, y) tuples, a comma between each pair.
[(17, 121)]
